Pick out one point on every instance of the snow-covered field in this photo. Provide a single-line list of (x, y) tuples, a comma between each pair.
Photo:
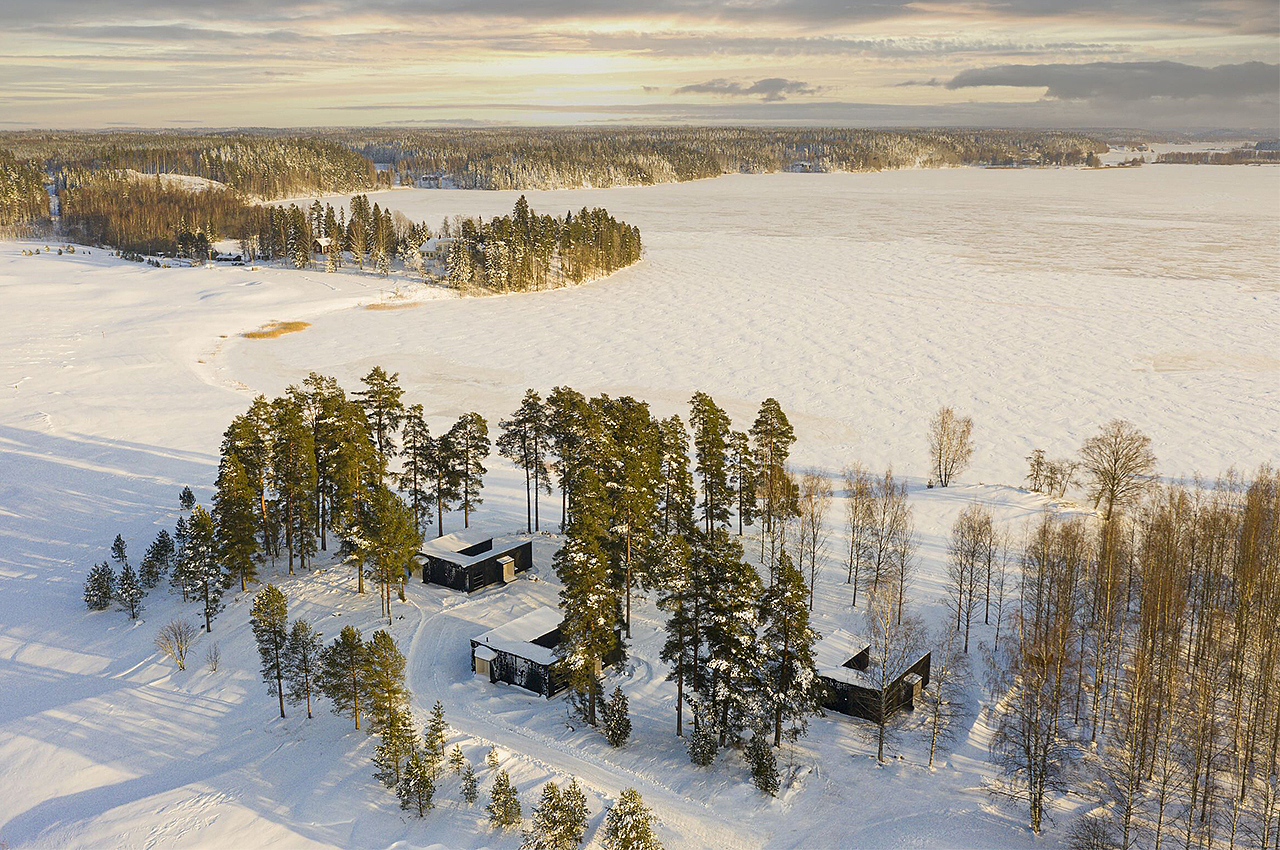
[(1040, 302)]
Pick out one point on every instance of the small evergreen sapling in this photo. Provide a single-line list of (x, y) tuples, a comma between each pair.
[(456, 759), (617, 722), (702, 745), (129, 592), (491, 758), (186, 499), (397, 748), (470, 788), (301, 663), (764, 767), (434, 738), (629, 824), (574, 806), (100, 587), (416, 787), (504, 804), (118, 553), (155, 563)]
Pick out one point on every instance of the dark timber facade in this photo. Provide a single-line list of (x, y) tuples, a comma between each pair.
[(522, 653), (469, 565), (842, 661)]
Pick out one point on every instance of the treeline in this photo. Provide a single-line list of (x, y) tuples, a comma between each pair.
[(151, 216), (525, 251), (23, 200), (1238, 156), (373, 235), (255, 164), (552, 158)]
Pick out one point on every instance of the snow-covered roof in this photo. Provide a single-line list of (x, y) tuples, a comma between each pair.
[(449, 546), (515, 637), (834, 650), (324, 240), (435, 243)]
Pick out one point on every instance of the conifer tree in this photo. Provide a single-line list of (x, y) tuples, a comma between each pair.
[(456, 759), (468, 442), (384, 677), (118, 553), (491, 758), (525, 442), (434, 739), (157, 560), (679, 599), (100, 587), (629, 824), (248, 437), (207, 576), (554, 826), (383, 408), (446, 488), (727, 622), (398, 745), (763, 764), (573, 806), (417, 478), (710, 427), (269, 617), (676, 503), (743, 477), (702, 744), (236, 520), (787, 677), (343, 673), (772, 437), (470, 787), (568, 415), (416, 787), (181, 577), (617, 720), (293, 476), (591, 616), (301, 663), (390, 543), (504, 804), (186, 499), (129, 591)]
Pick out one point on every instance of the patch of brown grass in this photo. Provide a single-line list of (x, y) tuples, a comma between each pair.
[(271, 330), (392, 305)]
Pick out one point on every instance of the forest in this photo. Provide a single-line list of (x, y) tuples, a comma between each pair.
[(555, 158), (525, 251), (1128, 654), (23, 200), (1238, 156)]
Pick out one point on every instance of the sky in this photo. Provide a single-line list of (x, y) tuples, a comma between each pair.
[(1154, 64)]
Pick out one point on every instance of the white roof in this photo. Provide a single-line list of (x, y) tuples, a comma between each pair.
[(435, 243), (514, 637), (484, 653), (834, 650), (448, 546)]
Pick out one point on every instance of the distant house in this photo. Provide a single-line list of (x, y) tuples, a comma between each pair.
[(320, 245), (470, 561), (436, 248), (522, 653), (842, 660), (430, 181)]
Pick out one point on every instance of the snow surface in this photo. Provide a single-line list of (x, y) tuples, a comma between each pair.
[(1040, 302)]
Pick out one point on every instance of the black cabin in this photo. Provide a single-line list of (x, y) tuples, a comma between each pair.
[(522, 653), (842, 660), (468, 563)]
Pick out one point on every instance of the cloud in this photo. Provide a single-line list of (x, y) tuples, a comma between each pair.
[(1130, 81), (932, 82), (770, 90)]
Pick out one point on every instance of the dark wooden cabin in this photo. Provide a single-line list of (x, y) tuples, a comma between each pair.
[(470, 562), (842, 660), (522, 653)]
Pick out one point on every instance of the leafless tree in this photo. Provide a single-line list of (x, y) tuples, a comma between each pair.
[(943, 699), (972, 550), (889, 531), (859, 514), (897, 642), (1118, 463), (213, 657), (174, 640), (950, 445), (815, 501)]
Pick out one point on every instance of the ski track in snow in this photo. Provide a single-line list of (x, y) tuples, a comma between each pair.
[(1042, 303)]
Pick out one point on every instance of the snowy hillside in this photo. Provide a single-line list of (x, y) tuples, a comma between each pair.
[(1041, 303)]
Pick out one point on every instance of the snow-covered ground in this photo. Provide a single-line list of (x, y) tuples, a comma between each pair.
[(1040, 302)]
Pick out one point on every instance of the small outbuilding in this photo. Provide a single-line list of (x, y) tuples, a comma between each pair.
[(843, 660), (523, 653), (469, 561)]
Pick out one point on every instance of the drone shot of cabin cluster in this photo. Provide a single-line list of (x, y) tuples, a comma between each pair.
[(777, 424)]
